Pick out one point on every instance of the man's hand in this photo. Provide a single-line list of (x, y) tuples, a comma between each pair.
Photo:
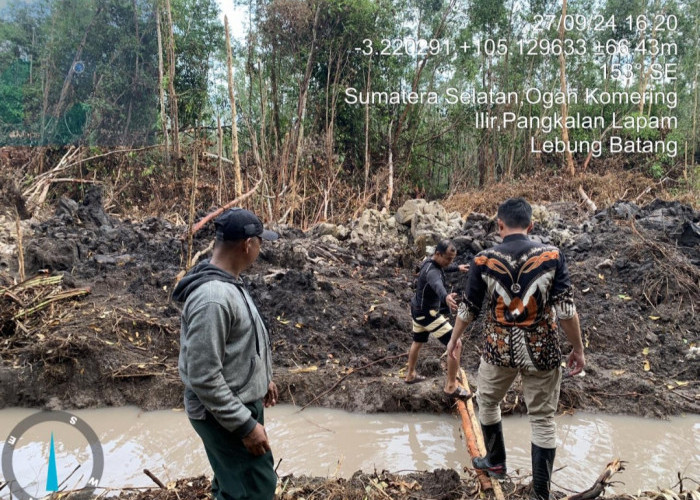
[(463, 268), (270, 398), (256, 441), (451, 301), (576, 362), (452, 347)]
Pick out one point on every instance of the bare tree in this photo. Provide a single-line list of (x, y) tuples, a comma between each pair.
[(386, 199), (234, 127), (298, 130), (161, 90), (71, 71), (564, 108), (367, 161), (175, 125)]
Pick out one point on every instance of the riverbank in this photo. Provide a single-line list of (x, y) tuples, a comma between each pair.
[(337, 312)]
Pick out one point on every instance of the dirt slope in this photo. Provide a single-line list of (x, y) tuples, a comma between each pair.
[(333, 308)]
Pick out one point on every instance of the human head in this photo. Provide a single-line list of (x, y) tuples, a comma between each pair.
[(239, 234), (239, 224), (445, 253), (515, 216)]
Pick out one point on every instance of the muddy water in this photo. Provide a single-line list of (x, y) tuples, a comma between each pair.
[(324, 442)]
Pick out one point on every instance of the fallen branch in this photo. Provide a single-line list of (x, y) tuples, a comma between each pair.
[(147, 320), (55, 298), (475, 440), (203, 251), (352, 371), (218, 157), (589, 203), (20, 247), (36, 193), (77, 181), (69, 475), (154, 478), (599, 486), (199, 225)]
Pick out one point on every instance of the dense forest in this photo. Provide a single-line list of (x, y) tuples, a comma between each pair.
[(163, 74)]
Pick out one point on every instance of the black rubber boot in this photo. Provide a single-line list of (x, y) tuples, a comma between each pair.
[(542, 462), (494, 463)]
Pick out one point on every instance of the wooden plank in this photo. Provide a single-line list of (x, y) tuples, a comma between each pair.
[(475, 439)]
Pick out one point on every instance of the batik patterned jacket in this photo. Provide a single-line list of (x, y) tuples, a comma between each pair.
[(527, 288)]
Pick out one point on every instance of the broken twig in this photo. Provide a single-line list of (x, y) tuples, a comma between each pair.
[(603, 480), (154, 478)]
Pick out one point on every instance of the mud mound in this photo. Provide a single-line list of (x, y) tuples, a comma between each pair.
[(338, 313), (94, 247)]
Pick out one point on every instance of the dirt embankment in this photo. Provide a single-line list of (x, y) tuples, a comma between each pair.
[(334, 306)]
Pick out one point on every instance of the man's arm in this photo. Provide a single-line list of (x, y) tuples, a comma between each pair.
[(572, 329), (453, 268), (434, 279), (464, 317), (563, 299), (469, 308)]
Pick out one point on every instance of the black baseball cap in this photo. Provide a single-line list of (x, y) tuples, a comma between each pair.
[(239, 224)]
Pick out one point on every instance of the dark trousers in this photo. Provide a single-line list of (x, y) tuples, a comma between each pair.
[(237, 473)]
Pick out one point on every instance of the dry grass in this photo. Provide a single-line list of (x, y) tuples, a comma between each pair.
[(544, 188)]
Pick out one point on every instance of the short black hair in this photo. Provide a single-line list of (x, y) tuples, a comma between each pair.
[(444, 246), (515, 213)]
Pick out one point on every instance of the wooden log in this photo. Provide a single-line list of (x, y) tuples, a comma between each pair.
[(472, 445), (588, 202), (599, 486), (475, 440), (221, 210)]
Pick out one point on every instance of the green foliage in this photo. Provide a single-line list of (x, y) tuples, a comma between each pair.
[(115, 100), (11, 93), (112, 100), (199, 35), (656, 171), (149, 170)]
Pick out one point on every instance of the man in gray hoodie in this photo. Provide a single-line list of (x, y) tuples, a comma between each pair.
[(225, 361)]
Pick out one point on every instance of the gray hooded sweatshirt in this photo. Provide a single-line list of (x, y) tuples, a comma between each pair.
[(225, 359)]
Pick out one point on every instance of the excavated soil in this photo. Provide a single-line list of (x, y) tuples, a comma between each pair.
[(332, 309)]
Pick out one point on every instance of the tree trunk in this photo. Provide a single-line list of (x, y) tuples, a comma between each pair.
[(220, 152), (298, 131), (386, 201), (138, 40), (416, 77), (234, 126), (367, 162), (263, 119), (564, 108), (275, 103), (193, 194), (695, 105), (161, 90), (174, 122)]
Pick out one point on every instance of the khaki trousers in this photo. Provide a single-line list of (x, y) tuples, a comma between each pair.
[(541, 393)]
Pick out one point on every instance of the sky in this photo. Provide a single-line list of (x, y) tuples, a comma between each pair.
[(237, 18)]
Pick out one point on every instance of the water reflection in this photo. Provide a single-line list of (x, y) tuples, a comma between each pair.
[(326, 442)]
